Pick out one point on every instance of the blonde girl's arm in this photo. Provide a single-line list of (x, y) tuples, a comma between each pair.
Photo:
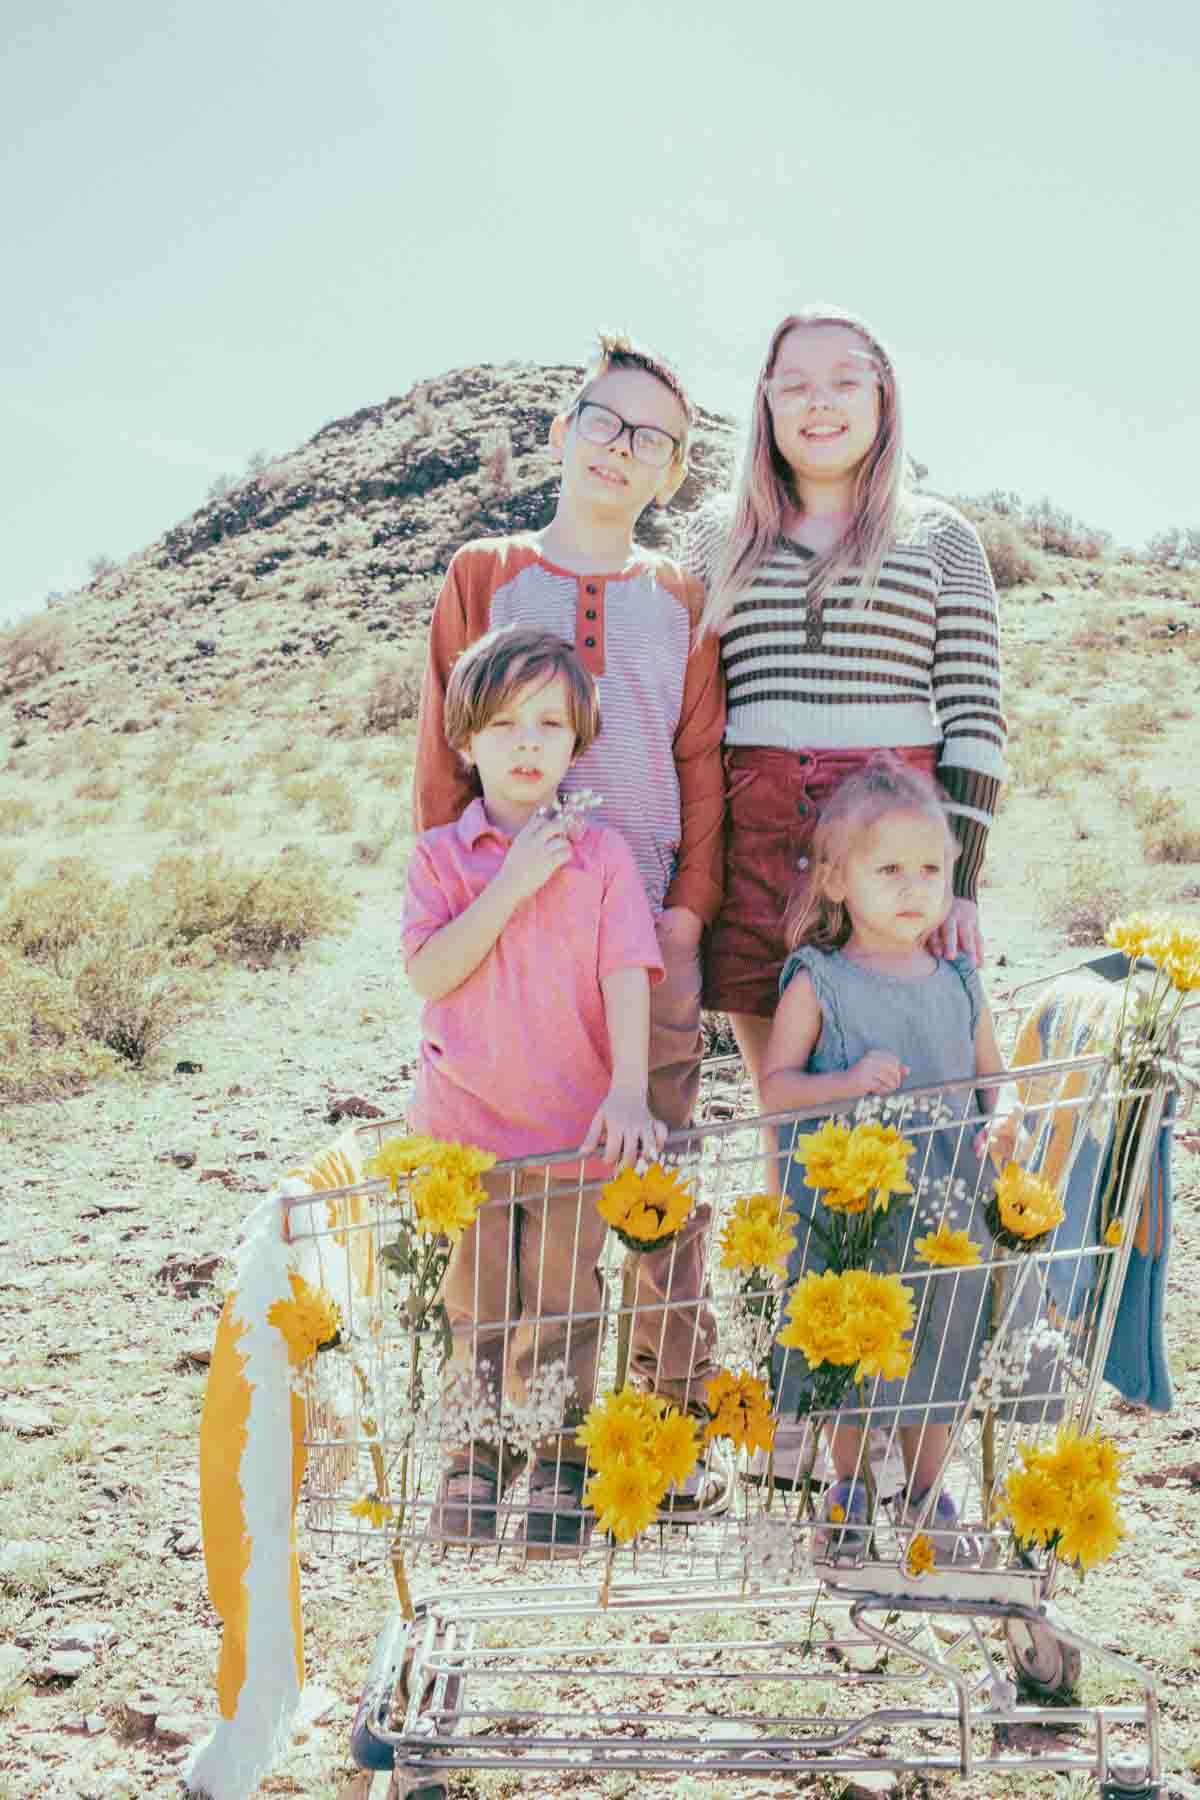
[(1001, 1103), (787, 1085)]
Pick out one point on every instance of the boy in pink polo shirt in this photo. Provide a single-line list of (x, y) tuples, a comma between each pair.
[(532, 943), (633, 617)]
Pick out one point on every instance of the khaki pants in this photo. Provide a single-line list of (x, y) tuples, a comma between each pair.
[(523, 1259), (674, 1351)]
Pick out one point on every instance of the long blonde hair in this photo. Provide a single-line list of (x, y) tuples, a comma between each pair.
[(765, 491), (885, 786)]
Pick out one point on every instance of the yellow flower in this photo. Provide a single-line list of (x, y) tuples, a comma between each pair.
[(1028, 1206), (853, 1169), (837, 1514), (1114, 1234), (740, 1410), (1184, 972), (1106, 1461), (625, 1497), (881, 1350), (755, 1237), (817, 1320), (921, 1556), (1033, 1503), (1092, 1528), (946, 1249), (402, 1156), (1131, 935), (820, 1154), (1071, 1465), (309, 1320), (673, 1447), (645, 1208), (375, 1512), (445, 1204), (622, 1425)]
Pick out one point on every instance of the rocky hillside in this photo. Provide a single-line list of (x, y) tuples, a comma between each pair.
[(325, 553)]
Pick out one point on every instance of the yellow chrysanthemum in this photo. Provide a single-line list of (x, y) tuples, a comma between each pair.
[(673, 1448), (308, 1321), (445, 1204), (1184, 972), (375, 1512), (625, 1497), (645, 1207), (1131, 935), (1092, 1528), (1033, 1502), (1027, 1205), (881, 1350), (609, 1436), (946, 1249), (1114, 1234), (755, 1237), (921, 1557), (837, 1514), (821, 1153), (740, 1411), (402, 1156), (817, 1320)]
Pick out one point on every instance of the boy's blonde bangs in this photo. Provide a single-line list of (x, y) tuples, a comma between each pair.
[(617, 350), (502, 662)]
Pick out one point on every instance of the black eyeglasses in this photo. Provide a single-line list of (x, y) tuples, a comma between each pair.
[(649, 443)]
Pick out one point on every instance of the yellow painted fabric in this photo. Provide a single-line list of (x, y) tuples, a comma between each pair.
[(222, 1520)]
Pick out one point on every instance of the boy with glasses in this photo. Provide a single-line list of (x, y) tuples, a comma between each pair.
[(633, 619)]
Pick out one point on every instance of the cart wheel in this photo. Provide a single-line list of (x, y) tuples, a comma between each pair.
[(1045, 1667)]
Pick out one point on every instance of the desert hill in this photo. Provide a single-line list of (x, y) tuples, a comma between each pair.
[(331, 551)]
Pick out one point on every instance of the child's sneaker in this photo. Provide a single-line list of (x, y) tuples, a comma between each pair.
[(842, 1535), (951, 1544)]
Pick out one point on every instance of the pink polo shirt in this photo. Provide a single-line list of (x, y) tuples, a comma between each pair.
[(517, 1058)]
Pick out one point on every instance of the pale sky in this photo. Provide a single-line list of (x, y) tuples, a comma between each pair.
[(230, 224)]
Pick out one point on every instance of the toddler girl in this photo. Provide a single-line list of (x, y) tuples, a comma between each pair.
[(867, 1009)]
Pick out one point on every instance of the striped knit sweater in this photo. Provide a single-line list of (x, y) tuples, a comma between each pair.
[(918, 664)]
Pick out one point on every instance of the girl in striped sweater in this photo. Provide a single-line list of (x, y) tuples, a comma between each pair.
[(853, 616)]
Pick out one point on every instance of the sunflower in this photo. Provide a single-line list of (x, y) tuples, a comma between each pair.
[(946, 1249), (625, 1497), (739, 1410), (755, 1237), (921, 1557), (1092, 1528), (645, 1210), (1024, 1209), (445, 1204), (309, 1321)]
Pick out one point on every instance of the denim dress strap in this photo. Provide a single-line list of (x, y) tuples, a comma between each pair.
[(819, 966)]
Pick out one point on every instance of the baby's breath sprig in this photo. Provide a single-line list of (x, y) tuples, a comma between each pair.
[(572, 807)]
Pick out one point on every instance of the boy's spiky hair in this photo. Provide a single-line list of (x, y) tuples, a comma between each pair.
[(617, 350)]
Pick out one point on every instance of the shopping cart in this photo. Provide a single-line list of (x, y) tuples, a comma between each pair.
[(740, 1640)]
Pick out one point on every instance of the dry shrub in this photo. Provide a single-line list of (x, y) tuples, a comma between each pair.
[(248, 914), (129, 998), (52, 915), (393, 696), (1171, 839), (1038, 756), (1131, 720), (335, 804), (33, 648), (1083, 892), (1010, 558), (16, 815), (43, 1049), (99, 787), (383, 833)]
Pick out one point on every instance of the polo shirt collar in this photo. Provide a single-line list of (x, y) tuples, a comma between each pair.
[(475, 824)]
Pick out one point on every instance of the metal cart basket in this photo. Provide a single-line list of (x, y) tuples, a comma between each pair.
[(743, 1637)]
